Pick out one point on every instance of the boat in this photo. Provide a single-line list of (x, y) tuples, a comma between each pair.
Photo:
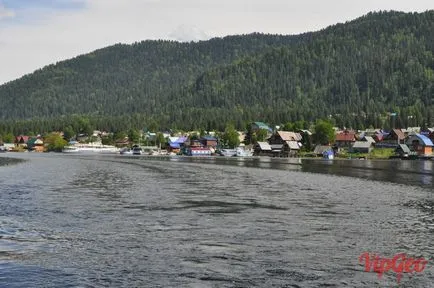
[(90, 148), (228, 152), (126, 151), (241, 152), (3, 149), (137, 150)]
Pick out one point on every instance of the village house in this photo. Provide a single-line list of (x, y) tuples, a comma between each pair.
[(395, 136), (177, 143), (428, 132), (122, 142), (285, 143), (262, 149), (256, 126), (35, 144), (21, 141), (362, 147), (402, 151), (345, 139), (369, 139), (321, 150), (420, 144), (209, 141), (379, 136)]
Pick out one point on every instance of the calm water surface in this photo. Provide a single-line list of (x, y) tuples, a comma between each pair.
[(112, 221)]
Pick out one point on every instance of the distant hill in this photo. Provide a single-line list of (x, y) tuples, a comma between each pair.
[(354, 73)]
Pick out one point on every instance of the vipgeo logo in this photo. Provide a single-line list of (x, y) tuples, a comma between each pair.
[(399, 264)]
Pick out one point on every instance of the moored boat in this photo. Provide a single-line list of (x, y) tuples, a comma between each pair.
[(241, 152), (90, 148), (228, 152)]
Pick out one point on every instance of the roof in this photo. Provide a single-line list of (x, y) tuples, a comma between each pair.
[(209, 138), (22, 138), (179, 140), (320, 149), (346, 136), (399, 133), (404, 148), (34, 141), (293, 145), (264, 146), (379, 136), (362, 144), (425, 140), (368, 139), (174, 145), (262, 125), (289, 136)]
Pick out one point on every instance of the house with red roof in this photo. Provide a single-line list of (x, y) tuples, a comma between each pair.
[(345, 139), (21, 141)]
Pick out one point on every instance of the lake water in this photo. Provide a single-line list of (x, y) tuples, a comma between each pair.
[(113, 221)]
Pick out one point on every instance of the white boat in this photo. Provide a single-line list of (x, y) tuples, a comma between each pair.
[(228, 152), (126, 151), (137, 150), (241, 152), (90, 148)]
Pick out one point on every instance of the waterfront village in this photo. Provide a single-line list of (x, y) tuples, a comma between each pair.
[(410, 143)]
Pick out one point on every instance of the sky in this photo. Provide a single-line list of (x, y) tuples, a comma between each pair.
[(36, 33)]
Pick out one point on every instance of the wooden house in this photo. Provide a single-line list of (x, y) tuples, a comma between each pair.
[(285, 143), (420, 144), (280, 137), (395, 136), (209, 141), (262, 149), (176, 144), (21, 141), (345, 139), (290, 149), (35, 144), (362, 147)]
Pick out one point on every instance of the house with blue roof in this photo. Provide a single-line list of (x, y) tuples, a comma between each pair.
[(420, 144), (177, 143)]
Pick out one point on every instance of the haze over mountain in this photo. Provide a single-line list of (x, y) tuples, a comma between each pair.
[(354, 73)]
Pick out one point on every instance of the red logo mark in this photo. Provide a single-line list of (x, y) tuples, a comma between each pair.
[(399, 264)]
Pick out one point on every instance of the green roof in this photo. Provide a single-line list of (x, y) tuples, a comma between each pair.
[(262, 125)]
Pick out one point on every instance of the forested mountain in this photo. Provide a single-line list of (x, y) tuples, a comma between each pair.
[(124, 78), (354, 73)]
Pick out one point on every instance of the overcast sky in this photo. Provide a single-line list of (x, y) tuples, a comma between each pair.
[(35, 33)]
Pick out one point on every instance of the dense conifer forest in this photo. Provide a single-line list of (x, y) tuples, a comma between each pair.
[(355, 74)]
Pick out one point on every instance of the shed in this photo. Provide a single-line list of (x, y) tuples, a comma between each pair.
[(362, 147)]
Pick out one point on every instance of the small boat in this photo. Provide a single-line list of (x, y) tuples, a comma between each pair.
[(241, 152), (3, 149), (228, 152), (137, 150), (126, 151)]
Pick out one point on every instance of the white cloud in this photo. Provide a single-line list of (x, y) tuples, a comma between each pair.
[(187, 33), (45, 36)]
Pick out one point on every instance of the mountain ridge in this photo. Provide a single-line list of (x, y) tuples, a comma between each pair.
[(376, 63)]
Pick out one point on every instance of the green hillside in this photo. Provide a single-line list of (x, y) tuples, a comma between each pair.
[(354, 73)]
